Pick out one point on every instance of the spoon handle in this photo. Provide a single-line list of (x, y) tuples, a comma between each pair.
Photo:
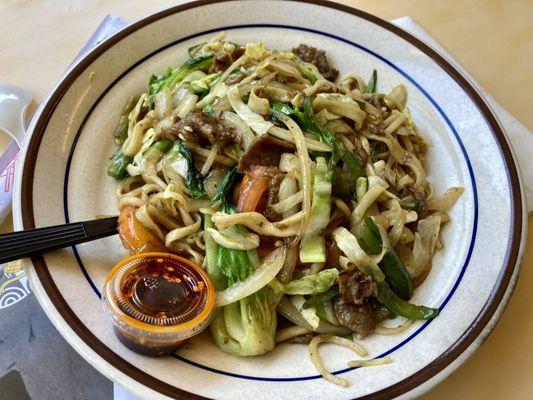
[(31, 242)]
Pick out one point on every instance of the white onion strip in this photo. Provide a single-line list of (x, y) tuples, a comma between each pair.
[(257, 280), (305, 167), (210, 159), (312, 144), (288, 203), (254, 120), (258, 223)]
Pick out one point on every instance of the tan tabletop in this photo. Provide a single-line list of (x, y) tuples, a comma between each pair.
[(492, 39)]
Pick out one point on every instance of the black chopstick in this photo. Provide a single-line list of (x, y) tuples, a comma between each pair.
[(31, 242)]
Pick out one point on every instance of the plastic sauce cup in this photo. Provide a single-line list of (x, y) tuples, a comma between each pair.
[(157, 301)]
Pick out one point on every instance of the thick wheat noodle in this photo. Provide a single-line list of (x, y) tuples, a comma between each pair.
[(182, 232), (163, 219), (315, 357), (144, 217), (204, 154), (259, 224)]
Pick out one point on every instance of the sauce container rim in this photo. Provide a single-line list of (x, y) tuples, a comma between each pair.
[(196, 321)]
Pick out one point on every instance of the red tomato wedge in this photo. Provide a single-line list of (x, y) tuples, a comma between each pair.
[(252, 196)]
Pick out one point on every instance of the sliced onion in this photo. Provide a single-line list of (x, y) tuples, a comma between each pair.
[(285, 274), (350, 246), (284, 134), (233, 121), (288, 205), (289, 311), (309, 314), (186, 104), (305, 167), (255, 121), (330, 313), (258, 279), (210, 159)]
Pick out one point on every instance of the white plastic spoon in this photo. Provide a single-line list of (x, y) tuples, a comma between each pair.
[(14, 102)]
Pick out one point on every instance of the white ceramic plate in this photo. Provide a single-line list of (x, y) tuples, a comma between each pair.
[(64, 179)]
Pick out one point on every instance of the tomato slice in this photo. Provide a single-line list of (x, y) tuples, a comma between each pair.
[(252, 196)]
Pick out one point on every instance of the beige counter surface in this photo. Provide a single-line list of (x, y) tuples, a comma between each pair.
[(492, 39)]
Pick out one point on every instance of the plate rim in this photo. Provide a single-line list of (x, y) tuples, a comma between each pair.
[(477, 327)]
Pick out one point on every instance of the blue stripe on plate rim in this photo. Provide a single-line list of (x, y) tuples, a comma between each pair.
[(329, 35)]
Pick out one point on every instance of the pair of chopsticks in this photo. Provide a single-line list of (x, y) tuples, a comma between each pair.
[(16, 245)]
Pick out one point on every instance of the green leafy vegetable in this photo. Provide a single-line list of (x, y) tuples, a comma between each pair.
[(372, 83), (173, 76), (208, 109), (235, 265), (345, 175), (119, 162), (157, 83), (203, 85), (246, 327), (193, 178), (163, 145), (313, 247), (307, 72), (321, 298), (224, 191), (121, 131), (211, 254), (391, 265), (194, 49), (310, 284)]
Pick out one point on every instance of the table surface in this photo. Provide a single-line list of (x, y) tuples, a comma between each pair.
[(492, 39)]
